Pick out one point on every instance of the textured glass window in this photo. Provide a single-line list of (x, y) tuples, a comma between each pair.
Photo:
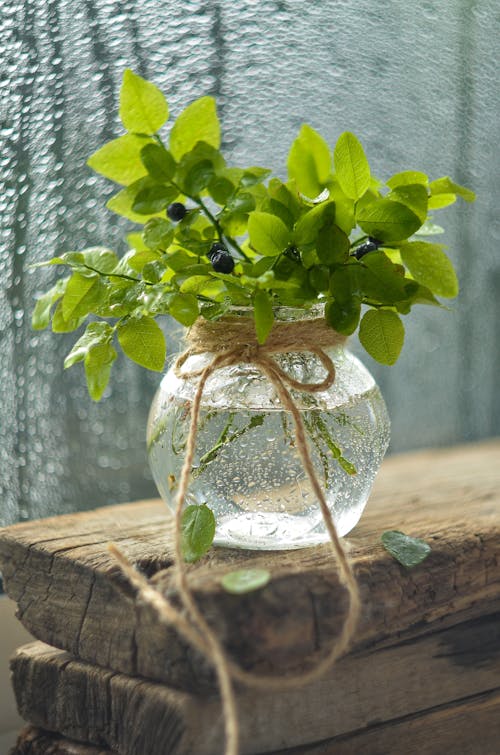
[(417, 82)]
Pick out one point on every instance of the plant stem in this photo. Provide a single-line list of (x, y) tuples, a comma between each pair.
[(208, 214)]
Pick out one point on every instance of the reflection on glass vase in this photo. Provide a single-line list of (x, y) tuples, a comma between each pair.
[(246, 466)]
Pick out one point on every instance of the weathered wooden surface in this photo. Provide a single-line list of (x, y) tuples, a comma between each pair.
[(468, 727), (70, 594), (135, 716), (35, 741)]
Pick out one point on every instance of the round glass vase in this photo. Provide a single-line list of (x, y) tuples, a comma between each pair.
[(246, 466)]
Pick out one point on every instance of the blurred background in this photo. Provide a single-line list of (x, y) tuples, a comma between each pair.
[(417, 83)]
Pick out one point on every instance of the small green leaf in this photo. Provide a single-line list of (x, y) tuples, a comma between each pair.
[(197, 532), (99, 258), (158, 232), (197, 123), (268, 234), (430, 266), (123, 202), (142, 340), (437, 201), (158, 162), (61, 325), (120, 159), (153, 199), (245, 580), (409, 551), (82, 293), (407, 177), (388, 221), (382, 280), (184, 308), (98, 362), (343, 316), (143, 108), (263, 314), (310, 223), (332, 244), (413, 196), (381, 333), (309, 162), (352, 170), (41, 313), (446, 185), (95, 334), (429, 229)]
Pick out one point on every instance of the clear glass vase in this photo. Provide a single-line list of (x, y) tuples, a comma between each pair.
[(246, 466)]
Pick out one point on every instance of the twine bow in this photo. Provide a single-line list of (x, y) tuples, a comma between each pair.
[(232, 341)]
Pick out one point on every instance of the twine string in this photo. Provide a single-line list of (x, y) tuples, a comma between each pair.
[(234, 343)]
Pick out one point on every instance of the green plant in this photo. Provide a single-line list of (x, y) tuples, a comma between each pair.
[(332, 233)]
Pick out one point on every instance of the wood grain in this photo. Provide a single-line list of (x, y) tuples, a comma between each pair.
[(70, 594), (369, 693), (35, 741)]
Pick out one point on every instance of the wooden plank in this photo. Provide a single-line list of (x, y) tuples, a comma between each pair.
[(70, 594), (467, 727), (35, 741), (136, 716)]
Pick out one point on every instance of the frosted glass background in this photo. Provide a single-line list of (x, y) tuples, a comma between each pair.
[(416, 82)]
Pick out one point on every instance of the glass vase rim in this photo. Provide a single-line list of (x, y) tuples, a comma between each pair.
[(283, 312)]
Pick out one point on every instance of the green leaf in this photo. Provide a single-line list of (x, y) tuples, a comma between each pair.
[(98, 362), (143, 108), (382, 280), (197, 531), (429, 229), (101, 259), (61, 325), (343, 316), (430, 266), (446, 185), (254, 175), (332, 244), (409, 551), (96, 334), (310, 223), (158, 232), (352, 170), (437, 201), (263, 314), (41, 313), (407, 177), (268, 234), (120, 159), (123, 202), (153, 199), (83, 293), (184, 308), (142, 341), (413, 196), (245, 580), (158, 162), (381, 332), (309, 162), (388, 221), (197, 123)]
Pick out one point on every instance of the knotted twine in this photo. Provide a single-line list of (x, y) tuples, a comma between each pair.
[(233, 341)]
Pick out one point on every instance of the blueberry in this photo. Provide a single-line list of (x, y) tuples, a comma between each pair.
[(218, 246), (221, 260), (176, 211), (362, 249)]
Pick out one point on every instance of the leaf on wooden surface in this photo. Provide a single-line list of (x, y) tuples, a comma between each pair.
[(409, 551)]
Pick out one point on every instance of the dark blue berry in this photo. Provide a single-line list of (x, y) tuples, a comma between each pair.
[(176, 211), (362, 249), (221, 260), (218, 246)]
